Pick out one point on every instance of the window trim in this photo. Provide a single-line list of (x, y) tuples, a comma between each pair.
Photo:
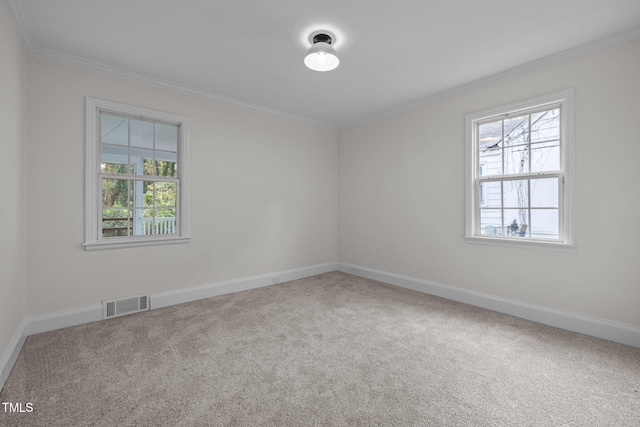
[(93, 190), (564, 98)]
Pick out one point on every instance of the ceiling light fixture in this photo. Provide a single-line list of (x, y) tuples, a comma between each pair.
[(321, 56)]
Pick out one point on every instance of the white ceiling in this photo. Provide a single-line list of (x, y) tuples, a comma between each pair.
[(392, 53)]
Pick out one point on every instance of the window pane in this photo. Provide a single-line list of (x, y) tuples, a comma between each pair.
[(115, 223), (149, 167), (491, 195), (147, 222), (515, 193), (147, 194), (491, 160), (142, 222), (516, 159), (141, 134), (114, 154), (544, 224), (491, 222), (114, 168), (166, 193), (142, 161), (166, 137), (544, 193), (166, 164), (115, 193), (114, 130), (516, 222), (137, 193), (490, 135), (516, 130), (545, 125), (165, 221), (545, 156)]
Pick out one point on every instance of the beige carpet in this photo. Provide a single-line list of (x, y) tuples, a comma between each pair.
[(333, 349)]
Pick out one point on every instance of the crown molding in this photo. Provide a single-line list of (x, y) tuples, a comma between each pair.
[(22, 29), (20, 24), (520, 70), (165, 84)]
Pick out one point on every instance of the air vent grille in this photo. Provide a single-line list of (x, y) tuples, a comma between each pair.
[(111, 309), (122, 306)]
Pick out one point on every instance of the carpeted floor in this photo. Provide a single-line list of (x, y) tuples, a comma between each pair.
[(333, 349)]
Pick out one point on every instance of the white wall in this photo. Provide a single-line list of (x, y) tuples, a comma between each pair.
[(262, 188), (263, 193), (13, 90), (401, 194)]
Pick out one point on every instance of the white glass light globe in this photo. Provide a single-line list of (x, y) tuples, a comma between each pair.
[(321, 57)]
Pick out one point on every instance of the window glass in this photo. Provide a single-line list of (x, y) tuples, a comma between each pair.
[(114, 130), (135, 191), (517, 190)]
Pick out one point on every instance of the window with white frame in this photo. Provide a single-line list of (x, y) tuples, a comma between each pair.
[(136, 181), (519, 161)]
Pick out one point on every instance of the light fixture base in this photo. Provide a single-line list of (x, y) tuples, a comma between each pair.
[(320, 33)]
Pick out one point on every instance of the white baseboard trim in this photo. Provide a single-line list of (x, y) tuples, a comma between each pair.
[(10, 354), (597, 327), (588, 325), (63, 319), (179, 296)]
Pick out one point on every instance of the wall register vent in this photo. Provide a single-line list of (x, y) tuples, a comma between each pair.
[(120, 307)]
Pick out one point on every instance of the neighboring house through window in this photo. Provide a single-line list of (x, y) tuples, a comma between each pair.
[(136, 176), (519, 173)]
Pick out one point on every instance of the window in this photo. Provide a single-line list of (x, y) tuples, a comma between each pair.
[(519, 173), (136, 183)]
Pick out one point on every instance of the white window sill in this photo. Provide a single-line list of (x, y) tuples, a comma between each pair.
[(131, 243), (521, 243)]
